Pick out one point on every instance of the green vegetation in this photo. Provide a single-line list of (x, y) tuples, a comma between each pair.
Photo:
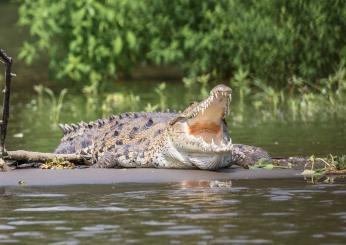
[(119, 101), (314, 167), (55, 102), (266, 165), (283, 59), (160, 91), (300, 100), (331, 165), (271, 40)]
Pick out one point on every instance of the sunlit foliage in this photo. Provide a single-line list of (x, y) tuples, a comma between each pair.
[(273, 40)]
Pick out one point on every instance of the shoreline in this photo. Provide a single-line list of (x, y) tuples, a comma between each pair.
[(42, 177)]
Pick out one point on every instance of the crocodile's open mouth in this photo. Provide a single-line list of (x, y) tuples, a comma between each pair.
[(206, 119)]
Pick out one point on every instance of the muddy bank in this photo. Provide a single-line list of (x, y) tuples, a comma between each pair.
[(31, 177)]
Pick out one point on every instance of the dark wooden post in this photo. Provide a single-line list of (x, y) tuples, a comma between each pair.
[(6, 100)]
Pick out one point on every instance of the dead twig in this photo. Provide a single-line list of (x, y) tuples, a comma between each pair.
[(6, 100)]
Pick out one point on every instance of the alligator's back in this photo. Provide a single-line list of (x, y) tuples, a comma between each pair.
[(129, 135)]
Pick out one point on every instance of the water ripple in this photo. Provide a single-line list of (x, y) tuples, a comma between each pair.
[(205, 215), (37, 222), (27, 234), (176, 232), (156, 223), (67, 242), (7, 227), (276, 214), (90, 231), (41, 195), (70, 209)]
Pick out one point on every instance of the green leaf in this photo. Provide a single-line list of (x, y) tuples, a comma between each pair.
[(117, 45), (131, 39), (268, 166)]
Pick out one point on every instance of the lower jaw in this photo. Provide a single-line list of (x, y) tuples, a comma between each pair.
[(210, 137), (209, 162)]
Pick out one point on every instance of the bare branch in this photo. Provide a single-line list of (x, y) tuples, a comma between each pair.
[(6, 100)]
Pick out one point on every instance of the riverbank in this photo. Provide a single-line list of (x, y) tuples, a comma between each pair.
[(37, 177)]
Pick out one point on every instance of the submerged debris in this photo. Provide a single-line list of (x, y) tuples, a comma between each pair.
[(3, 166)]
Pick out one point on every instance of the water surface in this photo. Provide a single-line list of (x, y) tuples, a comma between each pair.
[(249, 212)]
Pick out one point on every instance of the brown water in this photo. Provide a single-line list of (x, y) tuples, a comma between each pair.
[(249, 212)]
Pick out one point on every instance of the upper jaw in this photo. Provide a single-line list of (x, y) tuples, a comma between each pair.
[(220, 99), (220, 93), (202, 123)]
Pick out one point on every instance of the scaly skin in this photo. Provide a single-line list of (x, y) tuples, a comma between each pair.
[(196, 138)]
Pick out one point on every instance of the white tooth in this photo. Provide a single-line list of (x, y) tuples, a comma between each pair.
[(213, 144)]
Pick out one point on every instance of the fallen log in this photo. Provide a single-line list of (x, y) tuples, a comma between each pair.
[(28, 156)]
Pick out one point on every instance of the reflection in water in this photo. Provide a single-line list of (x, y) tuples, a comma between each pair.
[(206, 184), (250, 212)]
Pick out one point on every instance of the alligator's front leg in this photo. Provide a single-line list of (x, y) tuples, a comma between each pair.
[(124, 156), (247, 155)]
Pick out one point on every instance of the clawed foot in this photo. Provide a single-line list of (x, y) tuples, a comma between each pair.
[(246, 155)]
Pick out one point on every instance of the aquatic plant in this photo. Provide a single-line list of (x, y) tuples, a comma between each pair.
[(268, 95), (56, 104), (150, 108), (91, 93), (197, 83), (188, 82), (317, 166), (300, 100), (160, 91), (241, 83), (269, 165), (203, 83), (118, 102), (39, 89)]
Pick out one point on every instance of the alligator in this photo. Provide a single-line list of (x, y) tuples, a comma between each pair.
[(197, 138)]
